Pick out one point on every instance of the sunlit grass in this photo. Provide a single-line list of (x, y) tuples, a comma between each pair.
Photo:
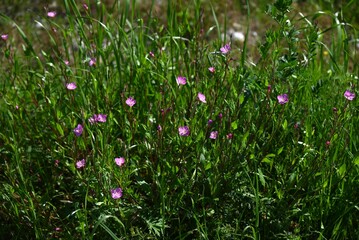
[(121, 126)]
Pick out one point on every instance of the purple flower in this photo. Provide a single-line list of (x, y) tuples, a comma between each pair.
[(211, 69), (159, 128), (78, 130), (201, 97), (152, 54), (220, 115), (213, 135), (85, 6), (116, 193), (101, 117), (93, 119), (184, 131), (210, 121), (98, 118), (282, 99), (225, 49), (81, 164), (181, 80), (120, 161), (349, 95), (92, 62), (4, 37), (51, 14), (71, 86), (130, 101)]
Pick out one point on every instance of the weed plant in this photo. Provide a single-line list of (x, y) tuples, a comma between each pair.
[(124, 127)]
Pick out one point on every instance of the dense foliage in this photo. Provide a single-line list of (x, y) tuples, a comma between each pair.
[(116, 125)]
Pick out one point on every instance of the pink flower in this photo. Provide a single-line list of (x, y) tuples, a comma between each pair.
[(213, 135), (78, 130), (71, 86), (67, 62), (184, 131), (98, 118), (152, 54), (229, 136), (349, 95), (212, 69), (57, 163), (269, 88), (116, 193), (92, 62), (85, 6), (159, 128), (120, 161), (130, 101), (201, 97), (210, 121), (225, 49), (51, 14), (4, 37), (181, 80), (81, 164), (101, 117), (282, 99)]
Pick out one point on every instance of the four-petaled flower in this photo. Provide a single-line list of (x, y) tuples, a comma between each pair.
[(130, 101), (181, 80), (71, 86), (51, 14), (184, 131), (81, 163), (78, 130), (201, 97), (282, 99), (116, 193), (225, 49), (120, 161), (349, 95), (101, 117), (213, 135)]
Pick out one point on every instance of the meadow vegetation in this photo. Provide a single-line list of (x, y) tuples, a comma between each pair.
[(120, 121)]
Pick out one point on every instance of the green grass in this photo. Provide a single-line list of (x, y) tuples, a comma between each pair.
[(275, 171)]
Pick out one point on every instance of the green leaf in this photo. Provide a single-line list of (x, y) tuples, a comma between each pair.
[(285, 124), (234, 125), (356, 160), (59, 128), (261, 177)]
